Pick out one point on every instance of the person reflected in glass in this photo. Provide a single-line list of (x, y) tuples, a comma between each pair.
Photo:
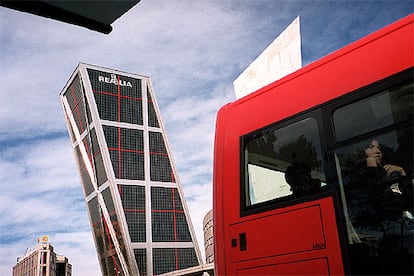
[(381, 204), (298, 176), (374, 160), (391, 177), (386, 191)]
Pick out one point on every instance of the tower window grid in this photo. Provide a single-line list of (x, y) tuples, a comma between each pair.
[(121, 120)]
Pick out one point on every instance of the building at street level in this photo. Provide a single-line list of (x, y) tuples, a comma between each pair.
[(42, 260), (208, 230), (139, 219)]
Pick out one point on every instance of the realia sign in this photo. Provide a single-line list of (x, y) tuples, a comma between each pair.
[(114, 80)]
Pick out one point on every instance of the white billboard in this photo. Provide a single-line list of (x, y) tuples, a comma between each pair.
[(282, 57)]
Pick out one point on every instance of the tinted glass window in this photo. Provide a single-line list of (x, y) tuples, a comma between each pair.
[(118, 98), (75, 95), (391, 106), (141, 258), (168, 218), (283, 163), (375, 176), (152, 115), (160, 164), (133, 203), (126, 149), (171, 259), (378, 202)]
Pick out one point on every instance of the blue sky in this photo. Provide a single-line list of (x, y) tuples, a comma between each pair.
[(192, 50)]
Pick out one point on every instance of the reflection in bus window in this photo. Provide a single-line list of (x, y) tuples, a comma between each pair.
[(375, 175), (266, 184), (283, 163), (387, 108)]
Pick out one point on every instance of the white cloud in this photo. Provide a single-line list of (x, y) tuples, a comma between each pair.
[(78, 247), (45, 164)]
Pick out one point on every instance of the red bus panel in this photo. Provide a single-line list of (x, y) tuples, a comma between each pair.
[(304, 267), (282, 242)]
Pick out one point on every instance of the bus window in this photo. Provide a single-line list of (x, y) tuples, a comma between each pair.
[(375, 176), (282, 163), (381, 110)]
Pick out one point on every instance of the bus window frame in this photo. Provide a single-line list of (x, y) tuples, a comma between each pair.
[(323, 114), (245, 209), (357, 95)]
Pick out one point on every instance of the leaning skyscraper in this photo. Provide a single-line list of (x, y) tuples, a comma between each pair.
[(134, 199)]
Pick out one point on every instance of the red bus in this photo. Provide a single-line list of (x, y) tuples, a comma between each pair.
[(313, 174)]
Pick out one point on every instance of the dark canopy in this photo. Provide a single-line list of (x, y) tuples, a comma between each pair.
[(96, 15)]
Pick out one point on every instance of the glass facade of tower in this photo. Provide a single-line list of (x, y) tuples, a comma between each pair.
[(138, 215)]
